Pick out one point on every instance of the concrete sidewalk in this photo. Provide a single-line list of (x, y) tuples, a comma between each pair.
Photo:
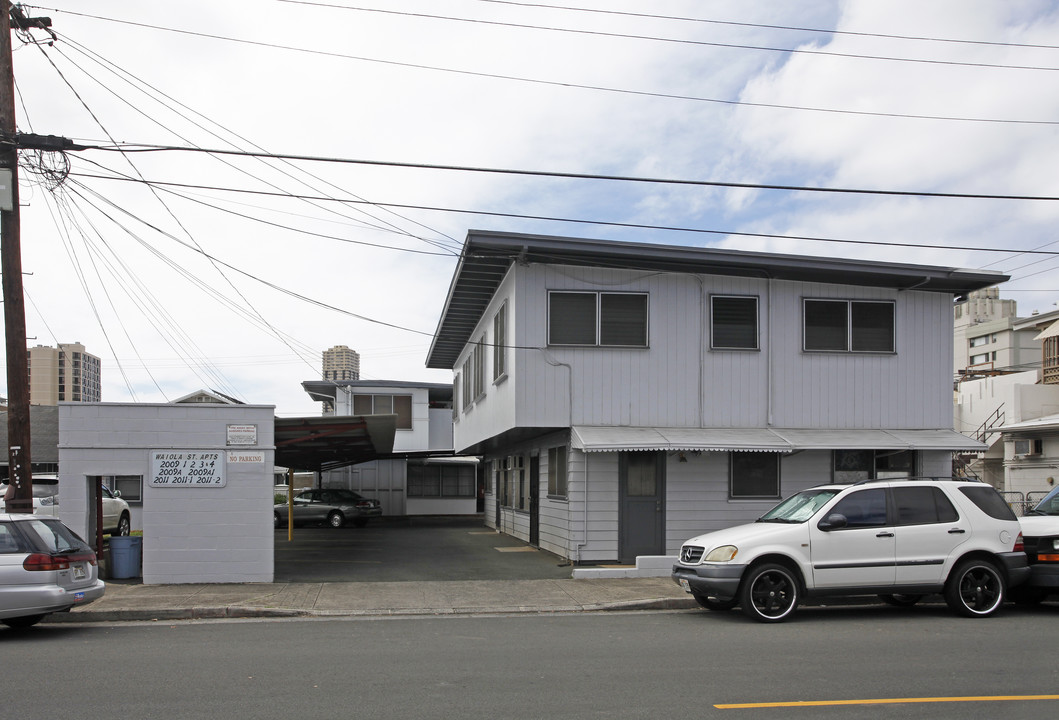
[(133, 601)]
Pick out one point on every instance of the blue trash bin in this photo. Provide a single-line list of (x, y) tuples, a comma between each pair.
[(125, 552)]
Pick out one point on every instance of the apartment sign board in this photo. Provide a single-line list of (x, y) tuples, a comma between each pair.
[(187, 468)]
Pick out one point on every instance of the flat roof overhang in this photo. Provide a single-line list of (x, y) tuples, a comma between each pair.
[(487, 256), (325, 443)]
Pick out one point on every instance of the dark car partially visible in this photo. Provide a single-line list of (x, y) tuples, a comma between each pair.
[(333, 507)]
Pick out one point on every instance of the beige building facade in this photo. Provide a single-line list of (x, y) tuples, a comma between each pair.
[(63, 374), (341, 363)]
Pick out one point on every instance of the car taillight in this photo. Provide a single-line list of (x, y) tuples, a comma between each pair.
[(44, 561), (365, 504), (41, 561), (1019, 547)]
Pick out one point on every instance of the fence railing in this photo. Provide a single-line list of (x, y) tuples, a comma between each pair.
[(1022, 503)]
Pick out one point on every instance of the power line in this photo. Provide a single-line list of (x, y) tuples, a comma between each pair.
[(581, 221), (732, 23), (136, 147), (215, 260), (319, 198), (564, 84), (705, 43)]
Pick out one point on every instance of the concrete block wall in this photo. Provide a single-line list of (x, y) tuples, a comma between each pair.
[(190, 535)]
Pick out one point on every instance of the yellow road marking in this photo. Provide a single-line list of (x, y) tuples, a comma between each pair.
[(886, 701)]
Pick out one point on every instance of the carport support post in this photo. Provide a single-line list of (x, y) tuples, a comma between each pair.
[(97, 509), (290, 504)]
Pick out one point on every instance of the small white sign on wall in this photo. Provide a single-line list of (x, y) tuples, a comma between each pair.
[(187, 468), (246, 456), (242, 435)]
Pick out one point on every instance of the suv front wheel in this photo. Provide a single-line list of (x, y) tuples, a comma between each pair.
[(769, 593), (975, 588)]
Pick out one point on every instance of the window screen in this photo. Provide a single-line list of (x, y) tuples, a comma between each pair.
[(572, 318), (826, 324), (622, 319), (754, 475), (734, 323)]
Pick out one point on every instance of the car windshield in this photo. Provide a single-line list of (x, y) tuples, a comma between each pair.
[(799, 508), (1048, 506)]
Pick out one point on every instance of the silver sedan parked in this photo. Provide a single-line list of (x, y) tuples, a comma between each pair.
[(334, 507), (44, 568)]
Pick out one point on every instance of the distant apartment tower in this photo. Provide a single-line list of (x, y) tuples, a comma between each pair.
[(63, 374), (341, 363), (989, 337)]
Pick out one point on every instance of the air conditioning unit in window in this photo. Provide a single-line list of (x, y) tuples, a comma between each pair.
[(1027, 448)]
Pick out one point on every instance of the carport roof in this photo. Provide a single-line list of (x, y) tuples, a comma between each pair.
[(323, 443)]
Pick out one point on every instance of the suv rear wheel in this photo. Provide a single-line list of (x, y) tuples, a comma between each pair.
[(975, 588), (769, 593)]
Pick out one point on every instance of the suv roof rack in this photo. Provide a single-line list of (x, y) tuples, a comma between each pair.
[(921, 478)]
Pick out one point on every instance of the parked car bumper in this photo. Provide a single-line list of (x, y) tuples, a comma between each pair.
[(1044, 575), (720, 581), (1017, 566), (39, 600)]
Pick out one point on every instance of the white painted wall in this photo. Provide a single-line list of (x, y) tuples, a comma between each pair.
[(190, 535)]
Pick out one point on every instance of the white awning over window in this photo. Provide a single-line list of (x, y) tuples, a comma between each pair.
[(1051, 331), (785, 440)]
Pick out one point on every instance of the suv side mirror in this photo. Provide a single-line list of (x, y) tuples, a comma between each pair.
[(835, 521)]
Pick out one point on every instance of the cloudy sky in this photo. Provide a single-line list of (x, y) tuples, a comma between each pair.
[(185, 269)]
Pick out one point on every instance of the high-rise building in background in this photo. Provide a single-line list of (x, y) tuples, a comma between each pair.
[(63, 374), (341, 363)]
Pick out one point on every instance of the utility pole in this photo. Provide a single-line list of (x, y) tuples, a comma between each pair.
[(18, 427)]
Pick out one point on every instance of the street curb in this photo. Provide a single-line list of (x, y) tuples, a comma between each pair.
[(237, 612), (200, 613)]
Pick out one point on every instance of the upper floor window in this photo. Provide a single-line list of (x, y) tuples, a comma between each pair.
[(605, 319), (478, 358), (399, 405), (979, 341), (468, 382), (733, 323), (849, 325), (500, 343)]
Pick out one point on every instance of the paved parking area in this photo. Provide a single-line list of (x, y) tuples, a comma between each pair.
[(411, 549)]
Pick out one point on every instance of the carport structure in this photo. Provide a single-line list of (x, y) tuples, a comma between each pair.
[(326, 443)]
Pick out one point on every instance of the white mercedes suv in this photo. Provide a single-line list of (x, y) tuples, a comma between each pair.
[(899, 539)]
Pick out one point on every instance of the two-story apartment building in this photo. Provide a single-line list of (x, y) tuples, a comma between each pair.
[(421, 476), (627, 396)]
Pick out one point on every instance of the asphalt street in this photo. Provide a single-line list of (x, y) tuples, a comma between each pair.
[(884, 662)]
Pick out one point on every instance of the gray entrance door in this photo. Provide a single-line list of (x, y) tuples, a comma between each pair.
[(641, 529)]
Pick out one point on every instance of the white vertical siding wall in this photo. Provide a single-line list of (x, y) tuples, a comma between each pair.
[(678, 381), (494, 411), (911, 388)]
